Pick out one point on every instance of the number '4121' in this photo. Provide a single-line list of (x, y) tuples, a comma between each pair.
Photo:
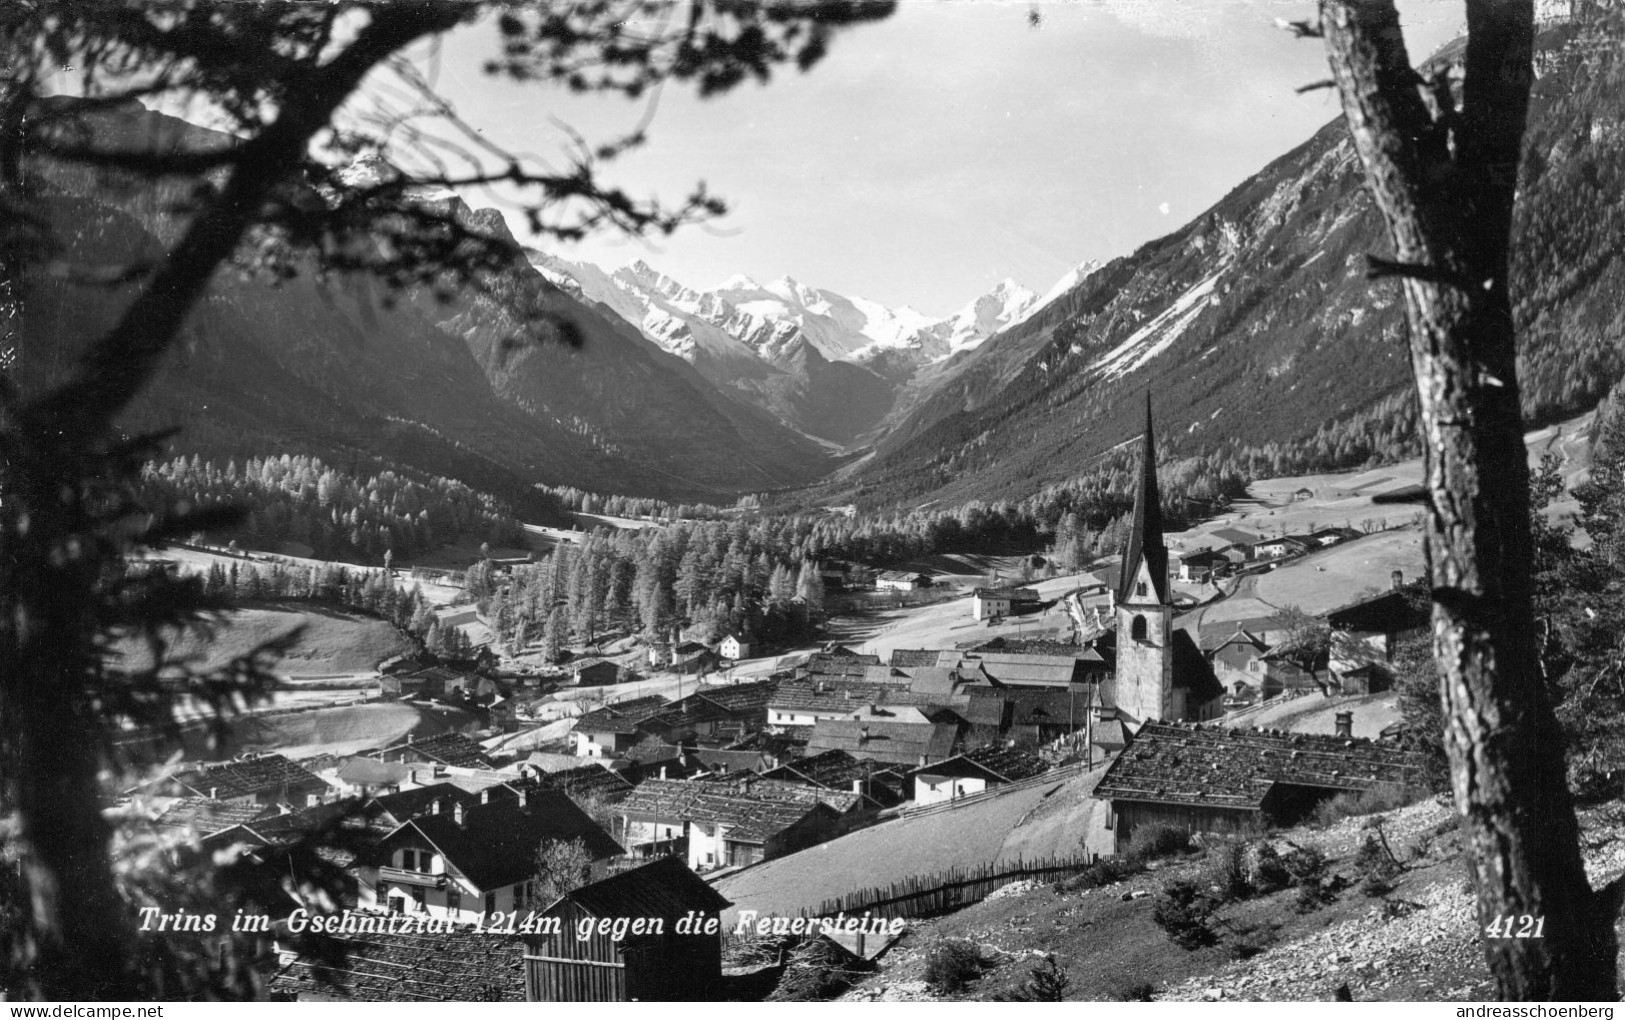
[(1516, 926)]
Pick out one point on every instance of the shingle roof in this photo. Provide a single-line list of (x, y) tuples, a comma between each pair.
[(248, 776), (750, 810), (205, 816), (914, 657), (839, 664), (1175, 763), (496, 843), (1007, 764), (832, 695), (665, 888), (590, 780), (1389, 612), (739, 699), (408, 804), (831, 770), (895, 742), (458, 966), (1025, 668), (621, 717), (449, 748)]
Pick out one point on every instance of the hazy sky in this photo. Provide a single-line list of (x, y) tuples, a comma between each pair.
[(936, 153)]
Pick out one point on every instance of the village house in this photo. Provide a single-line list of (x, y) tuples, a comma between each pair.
[(1200, 566), (594, 672), (1331, 536), (997, 603), (1235, 659), (974, 772), (893, 743), (264, 779), (1237, 541), (733, 823), (690, 658), (804, 702), (369, 776), (734, 647), (441, 749), (667, 965), (1209, 779), (1368, 631), (881, 785), (610, 731), (901, 580), (1278, 548), (1025, 669), (462, 862)]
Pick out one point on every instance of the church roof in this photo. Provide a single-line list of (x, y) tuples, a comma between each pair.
[(1145, 535)]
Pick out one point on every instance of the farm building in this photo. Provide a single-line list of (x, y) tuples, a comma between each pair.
[(662, 965), (1198, 567), (737, 822), (609, 731), (997, 603), (1210, 779), (440, 749), (901, 580), (594, 672), (894, 743), (262, 779), (734, 647), (1370, 630), (880, 784), (973, 772)]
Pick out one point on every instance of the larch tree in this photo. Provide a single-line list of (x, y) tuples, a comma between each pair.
[(1441, 157), (283, 77)]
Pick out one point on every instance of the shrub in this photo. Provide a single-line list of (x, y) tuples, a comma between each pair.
[(1376, 866), (1226, 870), (1269, 872), (1150, 842), (1048, 983), (1135, 991), (1306, 864), (1184, 910), (1103, 872), (1379, 798), (952, 964)]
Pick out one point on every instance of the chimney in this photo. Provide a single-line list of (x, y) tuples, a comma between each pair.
[(924, 761), (434, 806), (662, 772), (524, 799), (409, 738), (863, 734), (457, 812), (1345, 725), (485, 796), (214, 792), (857, 786), (1397, 579)]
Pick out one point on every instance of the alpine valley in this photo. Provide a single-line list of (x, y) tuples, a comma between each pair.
[(1254, 326)]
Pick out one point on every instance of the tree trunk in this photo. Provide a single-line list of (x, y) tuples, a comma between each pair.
[(1444, 175)]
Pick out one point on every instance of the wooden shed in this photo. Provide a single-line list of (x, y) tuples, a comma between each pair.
[(657, 964)]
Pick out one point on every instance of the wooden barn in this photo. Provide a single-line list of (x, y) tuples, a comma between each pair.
[(1209, 779), (657, 964)]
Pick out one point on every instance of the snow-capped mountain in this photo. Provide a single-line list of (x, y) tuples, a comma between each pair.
[(827, 363)]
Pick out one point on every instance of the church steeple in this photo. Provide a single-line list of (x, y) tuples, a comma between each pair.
[(1144, 543)]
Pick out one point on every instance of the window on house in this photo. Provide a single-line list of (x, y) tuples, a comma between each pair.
[(491, 902), (418, 896), (454, 899), (409, 860), (1140, 589), (1136, 630)]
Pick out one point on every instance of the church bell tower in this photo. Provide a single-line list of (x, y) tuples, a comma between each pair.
[(1144, 603)]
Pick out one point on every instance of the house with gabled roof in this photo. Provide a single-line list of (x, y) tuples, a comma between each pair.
[(608, 731), (450, 748), (249, 779), (895, 743), (881, 784), (652, 962), (974, 772), (729, 824), (901, 580), (1211, 779), (470, 860)]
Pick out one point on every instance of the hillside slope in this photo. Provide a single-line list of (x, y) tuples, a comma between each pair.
[(1255, 328), (475, 389)]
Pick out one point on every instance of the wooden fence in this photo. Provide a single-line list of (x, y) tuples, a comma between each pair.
[(946, 891)]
